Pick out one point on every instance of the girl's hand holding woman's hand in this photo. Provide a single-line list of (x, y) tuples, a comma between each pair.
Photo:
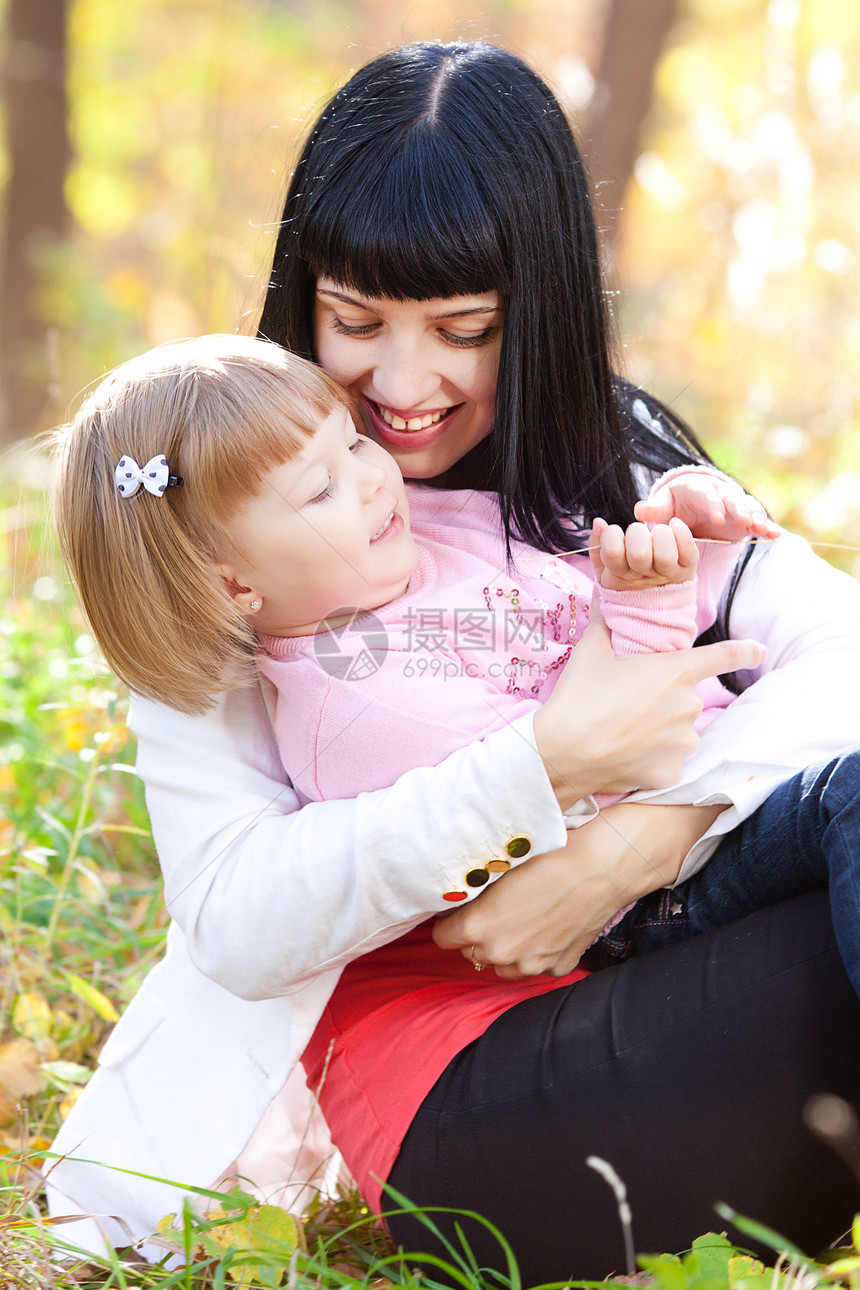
[(543, 915), (612, 725)]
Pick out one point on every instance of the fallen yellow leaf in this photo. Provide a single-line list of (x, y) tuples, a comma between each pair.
[(31, 1015), (99, 1002), (20, 1073), (264, 1229)]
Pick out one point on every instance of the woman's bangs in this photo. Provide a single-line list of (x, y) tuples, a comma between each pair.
[(413, 226)]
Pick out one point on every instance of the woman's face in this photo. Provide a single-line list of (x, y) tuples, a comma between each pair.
[(424, 370)]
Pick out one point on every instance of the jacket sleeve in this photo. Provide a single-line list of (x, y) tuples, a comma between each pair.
[(267, 894), (802, 705)]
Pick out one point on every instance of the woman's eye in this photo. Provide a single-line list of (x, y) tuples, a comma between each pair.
[(352, 329), (468, 342)]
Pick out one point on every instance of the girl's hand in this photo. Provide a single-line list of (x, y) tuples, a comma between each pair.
[(615, 724), (543, 915), (711, 506), (642, 557)]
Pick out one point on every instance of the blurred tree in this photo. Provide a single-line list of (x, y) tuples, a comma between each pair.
[(35, 211), (634, 37)]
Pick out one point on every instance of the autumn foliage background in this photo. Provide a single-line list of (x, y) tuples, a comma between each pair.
[(732, 233)]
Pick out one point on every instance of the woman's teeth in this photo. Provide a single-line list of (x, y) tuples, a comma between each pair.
[(385, 526), (414, 423)]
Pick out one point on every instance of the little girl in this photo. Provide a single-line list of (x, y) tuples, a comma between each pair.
[(219, 513), (224, 482)]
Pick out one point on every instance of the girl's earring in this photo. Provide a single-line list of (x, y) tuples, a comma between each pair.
[(255, 604)]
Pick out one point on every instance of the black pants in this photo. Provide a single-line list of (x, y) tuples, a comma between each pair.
[(687, 1069)]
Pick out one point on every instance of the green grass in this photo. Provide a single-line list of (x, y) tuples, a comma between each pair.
[(82, 921)]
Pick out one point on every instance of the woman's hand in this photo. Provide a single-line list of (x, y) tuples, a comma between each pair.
[(612, 725), (543, 915)]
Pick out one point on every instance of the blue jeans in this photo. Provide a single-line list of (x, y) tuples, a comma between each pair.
[(805, 836)]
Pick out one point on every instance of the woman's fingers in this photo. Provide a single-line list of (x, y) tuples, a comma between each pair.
[(615, 724), (542, 916), (724, 656), (516, 926)]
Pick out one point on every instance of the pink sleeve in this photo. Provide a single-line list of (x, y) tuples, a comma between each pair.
[(651, 621), (659, 619), (716, 565)]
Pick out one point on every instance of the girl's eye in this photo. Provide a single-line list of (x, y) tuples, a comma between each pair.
[(468, 342), (352, 329), (358, 444), (327, 492)]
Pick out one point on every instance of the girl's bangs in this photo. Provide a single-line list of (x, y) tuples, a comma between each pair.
[(412, 225)]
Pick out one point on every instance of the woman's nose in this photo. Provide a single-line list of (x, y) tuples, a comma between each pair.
[(403, 379)]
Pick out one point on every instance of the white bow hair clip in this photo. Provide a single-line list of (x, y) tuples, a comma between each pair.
[(155, 476)]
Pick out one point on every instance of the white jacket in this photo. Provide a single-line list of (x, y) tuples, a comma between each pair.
[(269, 901)]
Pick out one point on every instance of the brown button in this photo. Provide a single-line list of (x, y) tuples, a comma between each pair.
[(477, 877), (518, 846), (455, 895), (498, 864)]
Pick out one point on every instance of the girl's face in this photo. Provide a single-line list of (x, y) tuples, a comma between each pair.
[(424, 371), (327, 533)]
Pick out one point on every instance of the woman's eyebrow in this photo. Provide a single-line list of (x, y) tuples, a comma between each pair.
[(457, 313), (339, 295), (464, 313)]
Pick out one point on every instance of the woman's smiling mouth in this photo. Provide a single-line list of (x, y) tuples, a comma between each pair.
[(411, 432), (417, 421)]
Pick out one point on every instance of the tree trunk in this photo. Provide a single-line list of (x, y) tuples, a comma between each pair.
[(35, 210), (634, 37)]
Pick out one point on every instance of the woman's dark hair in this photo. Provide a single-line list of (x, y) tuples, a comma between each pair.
[(450, 169)]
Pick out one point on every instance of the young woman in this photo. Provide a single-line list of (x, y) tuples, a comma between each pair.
[(438, 257)]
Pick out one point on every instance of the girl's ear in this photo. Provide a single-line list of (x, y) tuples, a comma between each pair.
[(246, 599)]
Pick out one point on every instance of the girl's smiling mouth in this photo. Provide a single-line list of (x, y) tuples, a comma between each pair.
[(385, 525)]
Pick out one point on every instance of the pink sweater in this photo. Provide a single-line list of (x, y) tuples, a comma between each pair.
[(469, 647)]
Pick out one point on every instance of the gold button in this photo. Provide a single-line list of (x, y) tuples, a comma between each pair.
[(518, 846), (498, 864), (477, 877), (454, 895)]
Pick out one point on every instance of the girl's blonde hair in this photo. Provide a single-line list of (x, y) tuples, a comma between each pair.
[(223, 410)]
